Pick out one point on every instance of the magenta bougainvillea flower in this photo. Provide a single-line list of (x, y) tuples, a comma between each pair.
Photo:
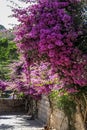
[(3, 85), (47, 31)]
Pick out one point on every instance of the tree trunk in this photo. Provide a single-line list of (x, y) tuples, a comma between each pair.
[(81, 103), (48, 127)]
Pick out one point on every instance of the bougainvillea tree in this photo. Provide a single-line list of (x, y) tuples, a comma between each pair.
[(47, 31)]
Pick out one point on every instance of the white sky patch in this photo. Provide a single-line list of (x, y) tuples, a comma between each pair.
[(5, 12)]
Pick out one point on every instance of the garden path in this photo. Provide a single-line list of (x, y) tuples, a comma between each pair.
[(19, 122)]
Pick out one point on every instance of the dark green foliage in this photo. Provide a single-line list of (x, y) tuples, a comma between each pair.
[(2, 27), (81, 21), (8, 51), (8, 54), (66, 104), (4, 72), (82, 43)]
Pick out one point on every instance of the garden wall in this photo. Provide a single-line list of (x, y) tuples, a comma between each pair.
[(43, 109), (58, 120), (11, 105)]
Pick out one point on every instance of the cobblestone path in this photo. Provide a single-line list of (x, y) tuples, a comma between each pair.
[(18, 122)]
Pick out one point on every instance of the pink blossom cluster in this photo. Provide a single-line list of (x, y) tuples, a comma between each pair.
[(47, 31), (3, 85), (41, 80)]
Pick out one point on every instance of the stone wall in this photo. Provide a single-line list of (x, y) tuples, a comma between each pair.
[(58, 120), (43, 109), (11, 105)]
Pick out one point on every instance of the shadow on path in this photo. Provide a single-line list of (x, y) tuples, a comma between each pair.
[(5, 127), (19, 122)]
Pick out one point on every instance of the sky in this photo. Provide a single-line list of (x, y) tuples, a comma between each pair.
[(5, 12)]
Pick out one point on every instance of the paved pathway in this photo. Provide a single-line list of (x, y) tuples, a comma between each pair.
[(18, 122)]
